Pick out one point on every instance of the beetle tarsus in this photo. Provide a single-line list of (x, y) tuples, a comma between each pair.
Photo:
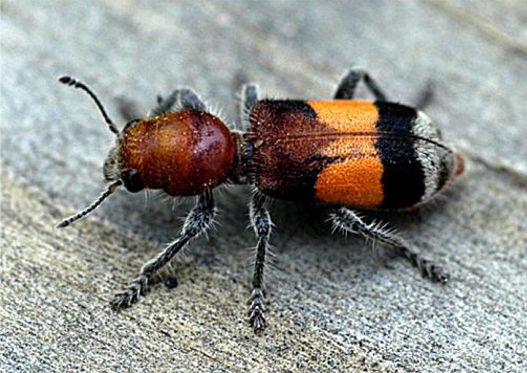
[(125, 299), (257, 309), (427, 268)]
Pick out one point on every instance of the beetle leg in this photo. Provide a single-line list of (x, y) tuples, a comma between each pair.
[(249, 96), (347, 220), (184, 98), (188, 99), (164, 105), (197, 222), (261, 223), (348, 84)]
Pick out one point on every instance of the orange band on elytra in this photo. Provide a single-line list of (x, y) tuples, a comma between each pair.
[(356, 180), (347, 115)]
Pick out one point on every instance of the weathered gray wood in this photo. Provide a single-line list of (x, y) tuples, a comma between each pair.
[(334, 307)]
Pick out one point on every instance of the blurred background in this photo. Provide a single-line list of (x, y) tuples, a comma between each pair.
[(333, 306)]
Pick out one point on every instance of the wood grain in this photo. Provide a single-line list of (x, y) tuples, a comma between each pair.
[(334, 307)]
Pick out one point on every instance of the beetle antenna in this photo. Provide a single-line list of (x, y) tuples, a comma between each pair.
[(68, 80), (109, 190)]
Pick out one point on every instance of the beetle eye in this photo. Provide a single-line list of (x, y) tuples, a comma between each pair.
[(132, 180)]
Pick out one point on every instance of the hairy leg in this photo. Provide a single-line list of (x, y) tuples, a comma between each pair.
[(197, 222), (261, 223), (347, 220)]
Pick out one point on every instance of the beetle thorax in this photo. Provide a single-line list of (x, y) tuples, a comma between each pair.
[(184, 153)]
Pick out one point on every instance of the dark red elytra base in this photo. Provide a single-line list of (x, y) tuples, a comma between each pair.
[(184, 153)]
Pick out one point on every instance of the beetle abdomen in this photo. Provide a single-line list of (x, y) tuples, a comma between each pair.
[(356, 153)]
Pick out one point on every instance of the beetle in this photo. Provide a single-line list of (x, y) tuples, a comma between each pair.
[(351, 154)]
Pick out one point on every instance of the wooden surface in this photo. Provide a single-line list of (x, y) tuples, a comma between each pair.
[(333, 306)]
